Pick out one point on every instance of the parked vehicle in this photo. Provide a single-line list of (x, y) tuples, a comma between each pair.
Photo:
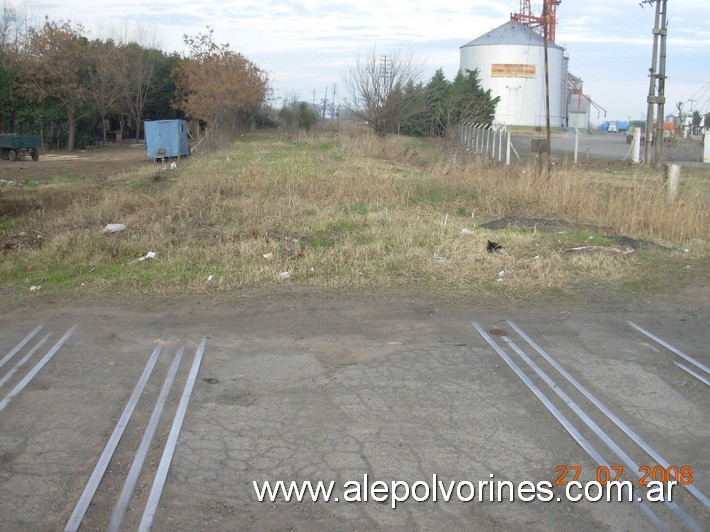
[(668, 131), (11, 146)]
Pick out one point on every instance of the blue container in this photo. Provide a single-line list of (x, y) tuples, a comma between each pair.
[(166, 138)]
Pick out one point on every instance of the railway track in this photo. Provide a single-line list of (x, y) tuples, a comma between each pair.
[(618, 450), (139, 451), (118, 482)]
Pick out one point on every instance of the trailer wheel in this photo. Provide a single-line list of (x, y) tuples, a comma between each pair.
[(12, 155), (35, 154)]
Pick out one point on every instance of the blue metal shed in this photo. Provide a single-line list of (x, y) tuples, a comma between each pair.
[(166, 138)]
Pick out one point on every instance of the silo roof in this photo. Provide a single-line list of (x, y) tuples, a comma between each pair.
[(511, 33)]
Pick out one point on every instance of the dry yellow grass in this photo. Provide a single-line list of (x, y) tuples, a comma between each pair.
[(346, 209)]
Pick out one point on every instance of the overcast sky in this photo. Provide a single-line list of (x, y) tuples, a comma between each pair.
[(307, 45)]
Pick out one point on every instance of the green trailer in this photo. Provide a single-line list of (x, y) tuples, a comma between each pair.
[(13, 145)]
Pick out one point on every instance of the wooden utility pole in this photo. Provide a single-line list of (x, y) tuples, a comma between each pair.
[(657, 75)]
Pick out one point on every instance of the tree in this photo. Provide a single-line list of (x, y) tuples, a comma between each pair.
[(139, 79), (443, 106), (106, 79), (13, 43), (13, 36), (58, 69), (697, 120), (376, 89), (437, 98), (468, 103), (159, 105), (218, 86), (297, 115)]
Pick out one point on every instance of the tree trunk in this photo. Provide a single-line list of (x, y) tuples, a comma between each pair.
[(138, 128), (71, 122), (103, 128), (119, 133)]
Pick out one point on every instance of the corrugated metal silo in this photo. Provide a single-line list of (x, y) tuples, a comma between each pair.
[(511, 63)]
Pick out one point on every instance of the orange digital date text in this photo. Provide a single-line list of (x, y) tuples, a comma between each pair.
[(612, 473)]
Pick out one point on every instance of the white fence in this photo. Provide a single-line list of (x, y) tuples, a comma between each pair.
[(492, 141)]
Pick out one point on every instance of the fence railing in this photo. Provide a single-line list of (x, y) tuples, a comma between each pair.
[(492, 141)]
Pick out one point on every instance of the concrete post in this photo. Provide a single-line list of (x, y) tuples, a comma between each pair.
[(672, 180), (500, 144), (636, 157), (507, 149), (576, 145), (706, 147)]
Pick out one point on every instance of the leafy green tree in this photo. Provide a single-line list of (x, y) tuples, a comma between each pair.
[(7, 76), (58, 68), (159, 105), (296, 116), (697, 120), (445, 106), (437, 94)]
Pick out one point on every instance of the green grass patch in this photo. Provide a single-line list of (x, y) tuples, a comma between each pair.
[(354, 208), (9, 223), (343, 211)]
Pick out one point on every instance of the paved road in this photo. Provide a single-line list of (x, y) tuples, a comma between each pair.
[(306, 386), (607, 146)]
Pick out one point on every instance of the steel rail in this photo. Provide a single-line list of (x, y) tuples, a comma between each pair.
[(613, 417), (19, 346), (668, 346), (100, 469), (165, 461), (27, 378), (23, 360), (601, 434), (581, 440), (129, 485), (693, 373)]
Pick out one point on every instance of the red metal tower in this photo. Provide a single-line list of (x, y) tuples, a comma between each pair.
[(549, 12)]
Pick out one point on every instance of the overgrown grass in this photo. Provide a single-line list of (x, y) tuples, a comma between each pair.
[(349, 210)]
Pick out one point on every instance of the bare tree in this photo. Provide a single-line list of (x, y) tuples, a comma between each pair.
[(106, 79), (14, 35), (376, 87), (139, 77)]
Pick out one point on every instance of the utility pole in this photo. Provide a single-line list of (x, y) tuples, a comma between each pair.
[(325, 100), (545, 28), (335, 94), (386, 72), (655, 100)]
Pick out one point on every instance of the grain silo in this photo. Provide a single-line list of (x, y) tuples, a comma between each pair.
[(511, 63)]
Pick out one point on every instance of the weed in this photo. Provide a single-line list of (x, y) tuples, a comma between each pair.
[(346, 209), (354, 208)]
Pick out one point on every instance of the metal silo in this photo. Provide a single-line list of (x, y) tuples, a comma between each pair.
[(511, 63)]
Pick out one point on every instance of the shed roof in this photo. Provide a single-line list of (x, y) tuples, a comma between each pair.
[(511, 33)]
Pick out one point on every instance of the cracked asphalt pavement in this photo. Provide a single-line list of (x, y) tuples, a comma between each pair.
[(332, 386)]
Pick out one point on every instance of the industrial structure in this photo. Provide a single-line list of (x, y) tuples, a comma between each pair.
[(512, 61)]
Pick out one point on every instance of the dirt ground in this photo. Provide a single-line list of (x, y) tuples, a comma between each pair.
[(90, 164)]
